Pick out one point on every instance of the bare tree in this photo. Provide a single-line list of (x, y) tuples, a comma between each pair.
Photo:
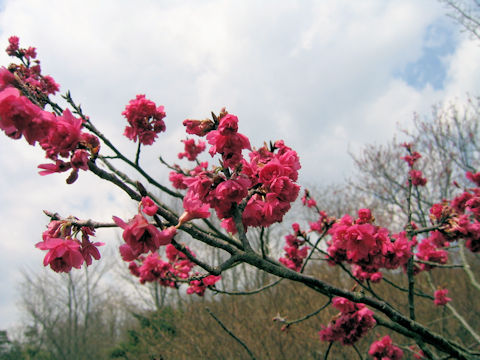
[(73, 316), (466, 13), (450, 145)]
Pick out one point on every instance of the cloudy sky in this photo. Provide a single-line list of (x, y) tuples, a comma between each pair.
[(325, 76)]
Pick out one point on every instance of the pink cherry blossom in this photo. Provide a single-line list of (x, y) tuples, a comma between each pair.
[(148, 206), (194, 208), (145, 120), (417, 179), (384, 349), (441, 297), (63, 254), (140, 237), (192, 150), (353, 322), (198, 127)]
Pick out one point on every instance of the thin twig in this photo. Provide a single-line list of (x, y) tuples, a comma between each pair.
[(308, 316), (231, 333), (328, 350), (252, 292)]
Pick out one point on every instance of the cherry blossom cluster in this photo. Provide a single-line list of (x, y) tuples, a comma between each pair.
[(351, 324), (265, 184), (459, 218), (61, 136), (367, 247), (384, 349), (145, 120), (139, 235), (29, 72), (307, 200), (65, 250), (431, 249), (171, 273), (416, 176), (295, 252), (441, 297), (192, 150)]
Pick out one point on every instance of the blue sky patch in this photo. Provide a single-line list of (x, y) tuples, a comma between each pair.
[(439, 42)]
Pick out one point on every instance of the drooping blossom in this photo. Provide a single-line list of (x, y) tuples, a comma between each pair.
[(89, 249), (63, 254), (141, 237)]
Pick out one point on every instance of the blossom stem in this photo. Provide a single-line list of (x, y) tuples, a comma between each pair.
[(137, 155), (328, 350)]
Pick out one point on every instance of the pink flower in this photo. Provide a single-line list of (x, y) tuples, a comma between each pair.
[(63, 254), (227, 141), (145, 120), (199, 286), (365, 216), (64, 135), (417, 179), (177, 180), (191, 149), (227, 193), (353, 322), (141, 237), (441, 297), (428, 251), (198, 127), (59, 166), (153, 269), (18, 116), (6, 78), (90, 250), (411, 159), (13, 44), (194, 208), (473, 177), (80, 159), (148, 206), (384, 349)]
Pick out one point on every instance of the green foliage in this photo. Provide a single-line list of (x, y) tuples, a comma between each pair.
[(157, 325)]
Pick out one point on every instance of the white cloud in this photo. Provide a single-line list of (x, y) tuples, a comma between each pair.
[(318, 74)]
